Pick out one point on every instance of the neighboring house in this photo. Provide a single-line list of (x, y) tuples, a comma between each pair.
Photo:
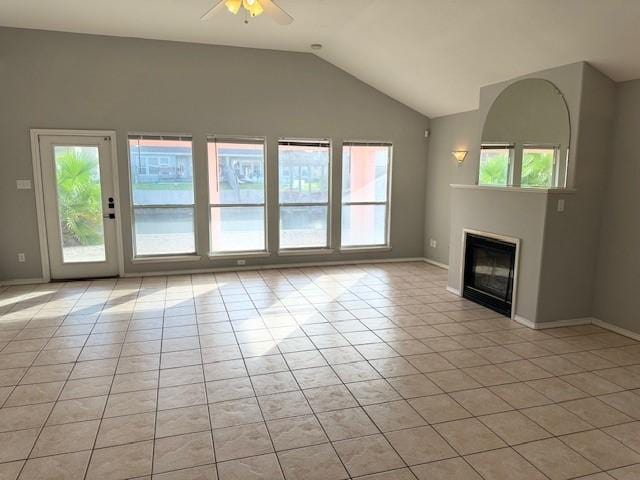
[(166, 164)]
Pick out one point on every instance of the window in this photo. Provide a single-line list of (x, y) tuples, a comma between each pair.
[(162, 195), (365, 194), (495, 165), (236, 195), (304, 169), (538, 166)]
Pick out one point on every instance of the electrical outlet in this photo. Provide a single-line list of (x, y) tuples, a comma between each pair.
[(22, 258), (433, 243), (242, 262)]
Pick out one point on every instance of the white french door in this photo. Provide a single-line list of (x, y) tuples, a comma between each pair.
[(79, 205)]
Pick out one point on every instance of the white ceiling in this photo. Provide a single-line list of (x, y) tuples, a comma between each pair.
[(432, 55)]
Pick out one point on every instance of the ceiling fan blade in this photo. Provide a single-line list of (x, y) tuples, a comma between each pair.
[(275, 12), (213, 10)]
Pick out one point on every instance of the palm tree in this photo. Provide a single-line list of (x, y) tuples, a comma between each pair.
[(79, 197), (493, 171)]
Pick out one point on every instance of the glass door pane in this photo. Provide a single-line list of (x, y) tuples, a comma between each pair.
[(79, 199)]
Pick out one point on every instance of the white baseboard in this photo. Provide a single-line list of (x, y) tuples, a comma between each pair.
[(571, 322), (455, 291), (236, 268), (436, 264), (616, 329), (22, 281), (524, 321)]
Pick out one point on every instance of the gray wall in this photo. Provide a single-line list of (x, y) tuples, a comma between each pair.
[(71, 81), (500, 211), (568, 79), (559, 248), (618, 275), (463, 132), (452, 132), (571, 238)]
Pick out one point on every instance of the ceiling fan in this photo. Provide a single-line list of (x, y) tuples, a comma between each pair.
[(253, 8)]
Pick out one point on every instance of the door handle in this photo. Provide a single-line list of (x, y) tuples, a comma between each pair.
[(109, 215)]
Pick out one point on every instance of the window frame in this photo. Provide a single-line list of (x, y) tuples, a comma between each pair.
[(234, 253), (154, 257), (555, 173), (327, 248), (387, 203), (514, 175), (511, 147)]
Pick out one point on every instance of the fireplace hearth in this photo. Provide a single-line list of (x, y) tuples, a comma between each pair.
[(489, 269)]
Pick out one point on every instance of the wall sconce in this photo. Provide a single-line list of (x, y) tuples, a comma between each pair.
[(459, 155)]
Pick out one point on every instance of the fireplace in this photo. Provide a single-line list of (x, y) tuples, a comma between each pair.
[(489, 270)]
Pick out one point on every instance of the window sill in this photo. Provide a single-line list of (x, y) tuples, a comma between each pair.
[(166, 259), (310, 251), (380, 248), (498, 188), (238, 255)]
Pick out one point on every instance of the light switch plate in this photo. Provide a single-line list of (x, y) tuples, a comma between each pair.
[(23, 184), (561, 205)]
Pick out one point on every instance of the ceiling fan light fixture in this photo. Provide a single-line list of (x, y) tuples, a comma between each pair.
[(253, 7), (233, 6)]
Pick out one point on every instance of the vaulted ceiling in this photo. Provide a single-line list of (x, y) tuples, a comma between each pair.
[(432, 55)]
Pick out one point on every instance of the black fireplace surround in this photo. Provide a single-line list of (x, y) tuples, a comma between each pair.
[(488, 272)]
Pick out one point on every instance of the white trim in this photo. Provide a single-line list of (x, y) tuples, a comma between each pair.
[(22, 281), (328, 247), (453, 290), (386, 203), (213, 138), (437, 264), (372, 248), (238, 255), (294, 252), (38, 191), (616, 329), (524, 321), (571, 322), (35, 134), (167, 258), (186, 137), (554, 190), (116, 193), (273, 266), (497, 236)]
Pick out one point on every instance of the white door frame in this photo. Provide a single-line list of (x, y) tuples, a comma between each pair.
[(39, 190)]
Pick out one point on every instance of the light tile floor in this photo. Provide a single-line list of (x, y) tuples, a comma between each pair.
[(369, 371)]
